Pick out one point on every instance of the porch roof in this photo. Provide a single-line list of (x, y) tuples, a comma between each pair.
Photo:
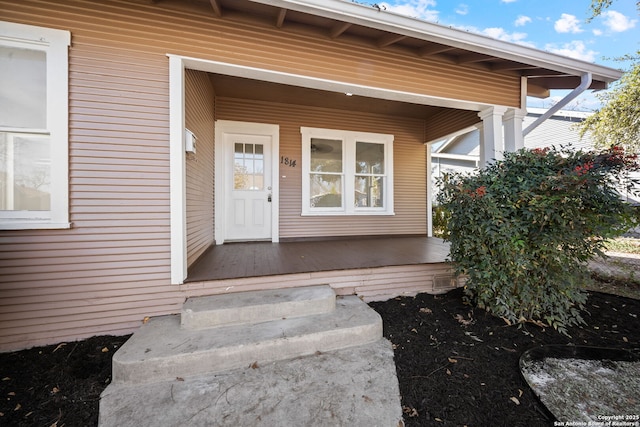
[(333, 19)]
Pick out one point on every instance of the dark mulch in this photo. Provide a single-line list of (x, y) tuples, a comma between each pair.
[(56, 385), (459, 366), (456, 365)]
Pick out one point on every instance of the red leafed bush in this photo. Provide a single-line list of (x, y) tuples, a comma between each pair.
[(522, 229)]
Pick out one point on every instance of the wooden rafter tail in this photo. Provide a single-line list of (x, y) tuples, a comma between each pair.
[(217, 9), (281, 17)]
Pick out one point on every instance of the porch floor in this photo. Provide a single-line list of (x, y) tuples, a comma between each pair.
[(237, 260)]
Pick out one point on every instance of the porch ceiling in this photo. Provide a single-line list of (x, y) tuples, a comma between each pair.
[(385, 30), (243, 88)]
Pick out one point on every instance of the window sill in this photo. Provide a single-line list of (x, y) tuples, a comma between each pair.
[(371, 213), (34, 225)]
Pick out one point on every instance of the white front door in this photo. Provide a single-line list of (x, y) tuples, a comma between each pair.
[(249, 195)]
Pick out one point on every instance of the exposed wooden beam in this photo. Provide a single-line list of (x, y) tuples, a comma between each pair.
[(434, 49), (468, 58), (339, 28), (537, 91), (562, 82), (511, 66), (281, 15), (390, 39), (217, 9), (536, 72)]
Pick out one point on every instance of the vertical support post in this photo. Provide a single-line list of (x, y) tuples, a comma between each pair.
[(483, 151), (491, 140), (177, 171), (513, 137), (429, 192)]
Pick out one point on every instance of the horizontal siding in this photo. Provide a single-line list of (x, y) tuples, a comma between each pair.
[(112, 267), (448, 121), (372, 284), (196, 32), (410, 189), (199, 118), (556, 132)]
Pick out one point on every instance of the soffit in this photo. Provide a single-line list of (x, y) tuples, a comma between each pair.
[(365, 24)]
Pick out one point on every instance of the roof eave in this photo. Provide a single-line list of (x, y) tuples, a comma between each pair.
[(412, 27)]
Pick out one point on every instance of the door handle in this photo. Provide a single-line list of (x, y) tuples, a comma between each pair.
[(269, 198)]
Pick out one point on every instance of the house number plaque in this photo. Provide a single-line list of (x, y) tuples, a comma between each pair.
[(288, 162)]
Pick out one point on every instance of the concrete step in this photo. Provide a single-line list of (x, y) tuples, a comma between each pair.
[(162, 350), (350, 387), (256, 307)]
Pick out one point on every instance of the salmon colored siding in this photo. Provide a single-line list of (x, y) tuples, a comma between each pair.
[(410, 181), (199, 118), (372, 284), (113, 264), (194, 31), (112, 268), (446, 122)]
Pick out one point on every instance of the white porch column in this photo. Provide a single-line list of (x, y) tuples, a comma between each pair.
[(177, 170), (513, 137), (482, 154), (491, 141)]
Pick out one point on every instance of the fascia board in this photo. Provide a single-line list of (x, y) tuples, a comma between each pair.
[(392, 22)]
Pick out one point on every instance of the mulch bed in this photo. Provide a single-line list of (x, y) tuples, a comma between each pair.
[(459, 366), (456, 365), (56, 385)]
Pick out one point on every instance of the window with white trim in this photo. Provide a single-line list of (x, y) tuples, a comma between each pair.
[(33, 127), (346, 172)]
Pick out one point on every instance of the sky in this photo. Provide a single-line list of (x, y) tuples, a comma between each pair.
[(554, 26)]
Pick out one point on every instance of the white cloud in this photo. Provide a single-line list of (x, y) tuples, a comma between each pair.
[(522, 20), (617, 22), (508, 1), (498, 33), (414, 8), (597, 32), (575, 49), (462, 9), (567, 24), (501, 34)]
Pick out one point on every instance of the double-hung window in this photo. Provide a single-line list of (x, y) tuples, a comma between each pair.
[(33, 127), (346, 173)]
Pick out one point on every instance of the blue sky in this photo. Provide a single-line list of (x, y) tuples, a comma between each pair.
[(555, 26)]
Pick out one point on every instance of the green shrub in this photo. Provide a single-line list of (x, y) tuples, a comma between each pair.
[(522, 230)]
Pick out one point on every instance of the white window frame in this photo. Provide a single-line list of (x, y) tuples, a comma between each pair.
[(349, 139), (55, 44)]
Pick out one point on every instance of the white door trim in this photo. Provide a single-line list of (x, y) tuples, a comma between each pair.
[(228, 126)]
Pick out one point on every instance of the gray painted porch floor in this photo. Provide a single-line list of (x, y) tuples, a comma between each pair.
[(236, 260)]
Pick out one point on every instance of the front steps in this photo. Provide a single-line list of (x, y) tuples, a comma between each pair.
[(216, 334), (278, 357), (256, 307), (161, 349)]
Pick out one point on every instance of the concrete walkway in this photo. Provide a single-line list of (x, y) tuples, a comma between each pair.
[(352, 387), (618, 266)]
